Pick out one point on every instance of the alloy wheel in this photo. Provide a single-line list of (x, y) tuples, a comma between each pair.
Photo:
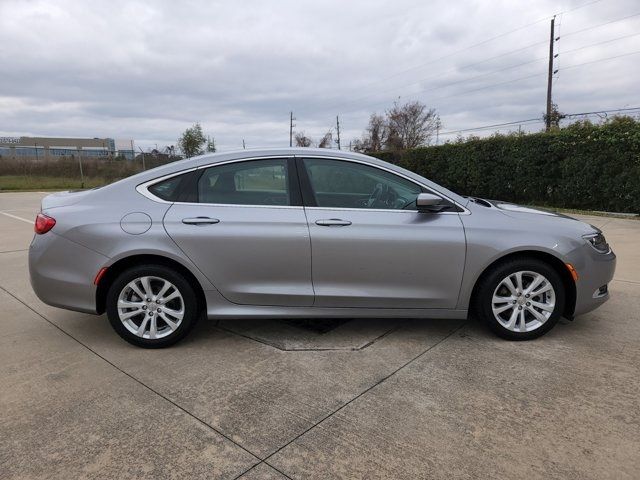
[(523, 301), (150, 307)]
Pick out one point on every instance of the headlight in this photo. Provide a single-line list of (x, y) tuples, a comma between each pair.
[(597, 241)]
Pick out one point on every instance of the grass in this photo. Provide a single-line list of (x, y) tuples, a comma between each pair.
[(26, 183)]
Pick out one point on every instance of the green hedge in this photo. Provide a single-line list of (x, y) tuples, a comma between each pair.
[(582, 166)]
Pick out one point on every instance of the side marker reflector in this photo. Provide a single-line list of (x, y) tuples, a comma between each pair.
[(100, 274), (572, 271)]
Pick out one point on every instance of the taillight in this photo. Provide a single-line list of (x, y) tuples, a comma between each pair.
[(44, 223)]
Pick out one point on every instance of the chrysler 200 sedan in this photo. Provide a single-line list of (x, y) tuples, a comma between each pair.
[(308, 233)]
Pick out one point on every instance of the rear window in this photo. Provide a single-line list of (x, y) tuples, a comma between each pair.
[(167, 189)]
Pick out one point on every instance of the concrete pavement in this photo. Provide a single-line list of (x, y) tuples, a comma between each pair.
[(379, 399)]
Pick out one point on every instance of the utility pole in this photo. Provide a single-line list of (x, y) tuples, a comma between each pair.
[(338, 131), (142, 153), (80, 163), (291, 125), (550, 75)]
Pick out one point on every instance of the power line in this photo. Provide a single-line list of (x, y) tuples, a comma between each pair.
[(483, 42), (466, 92), (357, 100), (600, 25), (599, 43), (352, 102), (534, 120), (602, 60)]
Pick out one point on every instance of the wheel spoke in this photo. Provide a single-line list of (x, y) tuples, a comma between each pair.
[(544, 288), (143, 326), (519, 281), (129, 304), (146, 285), (503, 308), (163, 290), (507, 282), (132, 313), (178, 314), (539, 316), (512, 319), (170, 323), (547, 307), (523, 322), (153, 329), (171, 296), (536, 281), (134, 286)]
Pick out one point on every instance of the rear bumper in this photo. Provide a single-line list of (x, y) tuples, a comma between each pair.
[(62, 272), (595, 271)]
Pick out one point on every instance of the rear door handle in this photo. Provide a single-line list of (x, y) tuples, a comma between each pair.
[(200, 221), (333, 222)]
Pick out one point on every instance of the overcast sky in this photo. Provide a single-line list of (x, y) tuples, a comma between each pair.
[(149, 69)]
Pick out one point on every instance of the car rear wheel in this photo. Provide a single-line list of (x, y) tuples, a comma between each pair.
[(521, 299), (151, 306)]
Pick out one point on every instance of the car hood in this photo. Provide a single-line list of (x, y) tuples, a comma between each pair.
[(540, 218)]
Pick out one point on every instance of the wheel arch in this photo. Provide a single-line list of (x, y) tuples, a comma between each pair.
[(556, 263), (114, 270)]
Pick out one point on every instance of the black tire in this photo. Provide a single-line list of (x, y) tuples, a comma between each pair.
[(189, 300), (490, 281)]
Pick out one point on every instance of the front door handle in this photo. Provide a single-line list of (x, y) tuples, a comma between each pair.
[(333, 222), (200, 221)]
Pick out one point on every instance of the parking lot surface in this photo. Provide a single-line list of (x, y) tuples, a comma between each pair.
[(400, 399)]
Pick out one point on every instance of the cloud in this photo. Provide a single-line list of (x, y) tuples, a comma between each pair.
[(148, 70)]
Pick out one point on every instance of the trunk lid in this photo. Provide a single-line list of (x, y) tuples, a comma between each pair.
[(62, 199)]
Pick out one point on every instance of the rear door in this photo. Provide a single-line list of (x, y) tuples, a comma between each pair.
[(247, 232), (370, 245)]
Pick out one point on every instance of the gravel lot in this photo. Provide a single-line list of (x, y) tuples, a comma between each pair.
[(399, 399)]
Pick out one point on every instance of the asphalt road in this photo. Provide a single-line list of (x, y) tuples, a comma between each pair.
[(398, 399)]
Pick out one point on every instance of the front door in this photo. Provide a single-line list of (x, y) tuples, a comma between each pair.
[(371, 247), (248, 232)]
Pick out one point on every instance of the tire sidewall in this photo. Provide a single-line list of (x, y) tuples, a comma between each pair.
[(497, 274), (188, 296)]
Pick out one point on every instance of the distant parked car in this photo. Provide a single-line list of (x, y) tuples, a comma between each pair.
[(308, 233)]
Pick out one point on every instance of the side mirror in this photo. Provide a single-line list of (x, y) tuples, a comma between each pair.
[(428, 202)]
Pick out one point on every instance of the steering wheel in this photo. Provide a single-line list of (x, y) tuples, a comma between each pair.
[(376, 194)]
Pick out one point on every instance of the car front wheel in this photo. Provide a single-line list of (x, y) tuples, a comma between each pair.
[(521, 299), (151, 306)]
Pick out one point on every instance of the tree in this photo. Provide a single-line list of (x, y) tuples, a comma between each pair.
[(211, 144), (325, 141), (411, 125), (403, 126), (555, 117), (302, 140), (375, 136), (192, 141)]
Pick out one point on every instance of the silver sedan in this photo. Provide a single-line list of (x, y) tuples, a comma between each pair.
[(308, 233)]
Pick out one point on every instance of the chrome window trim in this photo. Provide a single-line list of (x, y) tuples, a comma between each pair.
[(143, 187), (464, 211), (387, 210)]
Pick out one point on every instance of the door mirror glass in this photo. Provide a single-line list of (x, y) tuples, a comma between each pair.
[(428, 202)]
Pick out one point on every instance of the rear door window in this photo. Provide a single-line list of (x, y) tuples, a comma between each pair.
[(252, 182)]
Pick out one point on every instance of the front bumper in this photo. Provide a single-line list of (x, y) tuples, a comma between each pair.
[(595, 271), (62, 272)]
